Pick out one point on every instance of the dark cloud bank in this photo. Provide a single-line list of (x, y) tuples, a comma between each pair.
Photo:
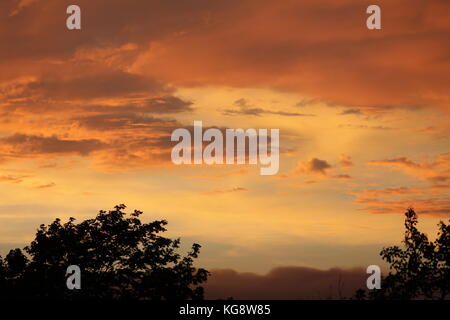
[(283, 283)]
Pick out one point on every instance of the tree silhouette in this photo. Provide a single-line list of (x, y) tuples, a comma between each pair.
[(120, 258), (420, 270)]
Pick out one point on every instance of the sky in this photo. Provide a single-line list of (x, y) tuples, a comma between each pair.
[(86, 118)]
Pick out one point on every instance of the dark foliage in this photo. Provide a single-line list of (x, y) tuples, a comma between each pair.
[(120, 258), (419, 270)]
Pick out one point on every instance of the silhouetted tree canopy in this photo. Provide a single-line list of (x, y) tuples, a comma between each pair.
[(419, 270), (120, 258)]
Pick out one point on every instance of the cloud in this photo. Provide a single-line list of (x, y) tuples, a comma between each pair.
[(345, 161), (20, 6), (260, 111), (124, 121), (350, 111), (286, 283), (126, 75), (167, 104), (241, 102), (402, 161), (232, 190), (321, 169), (385, 192), (246, 109), (102, 83), (45, 186), (334, 57), (12, 179), (431, 200), (19, 145), (436, 207), (114, 25), (435, 171), (57, 95), (342, 177), (307, 102), (363, 126), (313, 166), (155, 105)]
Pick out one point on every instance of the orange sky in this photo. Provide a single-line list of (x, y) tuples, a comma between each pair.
[(86, 118)]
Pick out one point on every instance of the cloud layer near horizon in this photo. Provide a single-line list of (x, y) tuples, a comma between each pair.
[(285, 283)]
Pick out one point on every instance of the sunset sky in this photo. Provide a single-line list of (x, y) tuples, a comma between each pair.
[(86, 117)]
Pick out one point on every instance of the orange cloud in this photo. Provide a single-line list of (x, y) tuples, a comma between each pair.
[(20, 6), (345, 161), (435, 171), (332, 55), (437, 207), (431, 200), (12, 179)]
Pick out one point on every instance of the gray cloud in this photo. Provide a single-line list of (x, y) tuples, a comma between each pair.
[(351, 111), (123, 121), (259, 112), (23, 144), (98, 85), (314, 166), (167, 104), (286, 283)]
